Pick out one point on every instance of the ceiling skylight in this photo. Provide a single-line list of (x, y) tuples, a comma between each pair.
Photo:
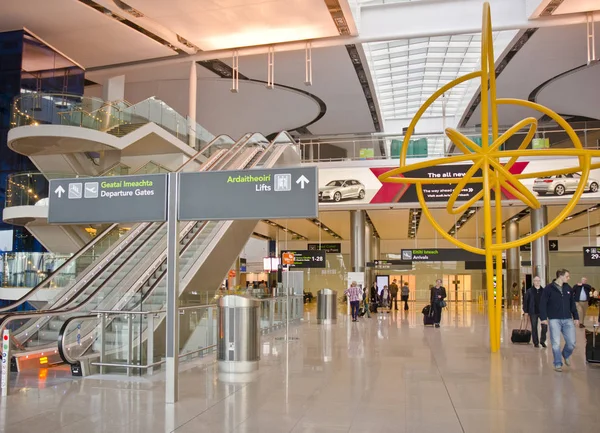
[(406, 72)]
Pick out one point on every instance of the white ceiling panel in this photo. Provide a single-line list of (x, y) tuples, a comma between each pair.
[(221, 24), (82, 33)]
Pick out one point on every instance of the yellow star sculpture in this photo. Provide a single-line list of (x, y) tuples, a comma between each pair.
[(495, 175)]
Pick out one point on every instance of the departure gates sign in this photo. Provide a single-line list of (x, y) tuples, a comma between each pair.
[(114, 199)]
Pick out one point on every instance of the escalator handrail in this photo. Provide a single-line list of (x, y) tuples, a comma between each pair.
[(60, 310), (91, 244), (61, 335), (30, 315), (14, 316), (186, 246)]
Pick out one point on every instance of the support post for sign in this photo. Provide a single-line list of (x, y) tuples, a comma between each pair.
[(172, 343), (5, 362), (150, 343), (102, 341)]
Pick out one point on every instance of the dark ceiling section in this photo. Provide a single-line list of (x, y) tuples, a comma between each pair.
[(337, 15), (107, 12), (223, 70)]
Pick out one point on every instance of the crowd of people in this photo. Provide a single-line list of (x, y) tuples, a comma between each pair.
[(387, 299), (560, 309)]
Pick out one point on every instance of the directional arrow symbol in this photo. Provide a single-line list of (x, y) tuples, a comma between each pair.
[(302, 180), (59, 191), (587, 250)]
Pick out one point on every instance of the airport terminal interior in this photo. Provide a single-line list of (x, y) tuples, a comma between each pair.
[(300, 216)]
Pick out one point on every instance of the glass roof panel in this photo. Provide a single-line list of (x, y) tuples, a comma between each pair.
[(407, 72)]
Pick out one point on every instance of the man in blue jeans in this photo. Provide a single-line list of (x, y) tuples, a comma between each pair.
[(557, 306)]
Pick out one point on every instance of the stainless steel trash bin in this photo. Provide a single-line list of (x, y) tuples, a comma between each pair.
[(238, 338), (326, 306)]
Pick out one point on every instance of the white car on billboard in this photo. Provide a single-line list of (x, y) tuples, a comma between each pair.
[(337, 190), (562, 184)]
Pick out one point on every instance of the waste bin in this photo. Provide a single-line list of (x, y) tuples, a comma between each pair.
[(238, 338), (326, 306)]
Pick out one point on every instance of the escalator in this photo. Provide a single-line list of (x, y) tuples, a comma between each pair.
[(128, 272)]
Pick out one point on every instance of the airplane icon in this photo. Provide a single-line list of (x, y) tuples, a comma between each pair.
[(91, 190)]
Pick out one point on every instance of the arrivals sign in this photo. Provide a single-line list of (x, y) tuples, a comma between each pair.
[(249, 194), (441, 255), (114, 199), (334, 248), (304, 259), (591, 256)]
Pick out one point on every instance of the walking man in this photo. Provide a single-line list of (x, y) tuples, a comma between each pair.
[(531, 308), (557, 306), (404, 293), (582, 291), (354, 294), (394, 295)]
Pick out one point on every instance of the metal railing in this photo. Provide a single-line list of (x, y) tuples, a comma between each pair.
[(126, 340), (381, 146)]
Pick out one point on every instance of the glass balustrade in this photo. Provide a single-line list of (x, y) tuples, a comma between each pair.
[(116, 118), (132, 342), (389, 146)]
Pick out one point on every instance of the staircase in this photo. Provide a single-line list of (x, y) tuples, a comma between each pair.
[(122, 130)]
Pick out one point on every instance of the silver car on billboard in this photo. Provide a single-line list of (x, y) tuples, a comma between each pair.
[(562, 184), (337, 190)]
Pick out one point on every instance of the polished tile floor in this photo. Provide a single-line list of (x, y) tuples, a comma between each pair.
[(383, 374)]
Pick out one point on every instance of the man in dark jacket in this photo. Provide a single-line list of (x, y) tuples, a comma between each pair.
[(531, 308), (394, 295), (557, 306)]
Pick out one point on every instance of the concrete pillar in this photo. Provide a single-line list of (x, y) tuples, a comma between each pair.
[(113, 89), (357, 240), (192, 103), (513, 263), (311, 151), (368, 254), (375, 248), (539, 247)]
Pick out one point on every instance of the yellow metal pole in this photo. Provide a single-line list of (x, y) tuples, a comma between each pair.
[(498, 254)]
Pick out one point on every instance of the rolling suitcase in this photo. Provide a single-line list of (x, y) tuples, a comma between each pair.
[(427, 316), (592, 346), (521, 336), (362, 311)]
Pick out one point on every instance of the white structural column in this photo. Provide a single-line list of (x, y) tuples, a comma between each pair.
[(357, 240), (539, 247), (113, 89), (192, 103), (513, 272)]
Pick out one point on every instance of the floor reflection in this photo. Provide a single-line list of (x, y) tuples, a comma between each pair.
[(387, 373)]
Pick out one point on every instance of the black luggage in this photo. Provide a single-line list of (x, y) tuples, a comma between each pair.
[(592, 346), (373, 307), (521, 336), (427, 315), (362, 311)]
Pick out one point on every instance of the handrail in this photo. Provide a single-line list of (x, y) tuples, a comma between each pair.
[(30, 315), (91, 244)]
